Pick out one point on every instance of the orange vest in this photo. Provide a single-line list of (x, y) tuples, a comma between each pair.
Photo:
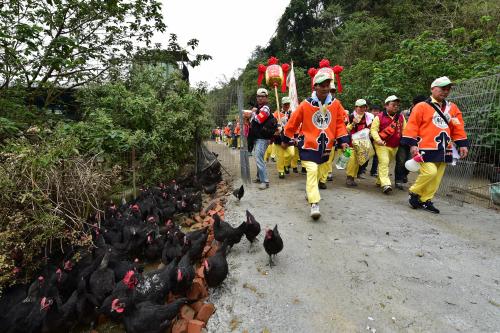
[(320, 130), (237, 130), (227, 131), (427, 130)]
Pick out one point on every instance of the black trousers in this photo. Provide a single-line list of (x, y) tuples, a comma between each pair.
[(400, 171)]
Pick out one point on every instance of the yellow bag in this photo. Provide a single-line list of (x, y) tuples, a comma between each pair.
[(362, 146)]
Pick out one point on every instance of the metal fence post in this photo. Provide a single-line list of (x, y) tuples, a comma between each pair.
[(244, 164)]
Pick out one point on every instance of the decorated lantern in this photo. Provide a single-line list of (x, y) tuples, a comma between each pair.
[(332, 72), (275, 74)]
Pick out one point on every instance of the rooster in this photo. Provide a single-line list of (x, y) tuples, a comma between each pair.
[(215, 268), (273, 244), (252, 228), (238, 193), (224, 231)]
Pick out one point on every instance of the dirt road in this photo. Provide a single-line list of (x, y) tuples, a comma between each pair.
[(370, 264)]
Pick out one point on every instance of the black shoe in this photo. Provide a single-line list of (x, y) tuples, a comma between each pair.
[(429, 206), (281, 175), (303, 171), (399, 186), (414, 201), (330, 177), (405, 180), (374, 174), (295, 170), (287, 170), (322, 186)]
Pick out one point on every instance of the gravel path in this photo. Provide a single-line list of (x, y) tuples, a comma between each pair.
[(370, 264)]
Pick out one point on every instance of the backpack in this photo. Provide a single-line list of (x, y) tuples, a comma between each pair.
[(269, 127)]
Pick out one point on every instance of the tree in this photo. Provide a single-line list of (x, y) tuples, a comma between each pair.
[(69, 43)]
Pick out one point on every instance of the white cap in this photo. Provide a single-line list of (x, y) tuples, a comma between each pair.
[(262, 92), (320, 78), (391, 98), (360, 102), (442, 81), (285, 100)]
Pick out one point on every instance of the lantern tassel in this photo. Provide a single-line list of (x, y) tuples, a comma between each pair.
[(285, 68)]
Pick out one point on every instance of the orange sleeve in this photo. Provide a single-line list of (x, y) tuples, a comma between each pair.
[(295, 121), (457, 128)]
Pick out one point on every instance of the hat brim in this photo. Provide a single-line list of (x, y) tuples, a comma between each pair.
[(451, 84), (320, 81)]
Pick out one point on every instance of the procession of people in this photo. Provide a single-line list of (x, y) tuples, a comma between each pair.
[(320, 131)]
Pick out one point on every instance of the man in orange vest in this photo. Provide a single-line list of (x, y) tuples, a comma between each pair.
[(386, 131), (237, 133), (322, 119), (432, 127)]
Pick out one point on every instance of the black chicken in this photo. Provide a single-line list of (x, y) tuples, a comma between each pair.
[(215, 267), (194, 247), (185, 275), (154, 246), (102, 281), (172, 249), (273, 244), (61, 318), (210, 189), (154, 286), (146, 316), (238, 193), (252, 228), (224, 231)]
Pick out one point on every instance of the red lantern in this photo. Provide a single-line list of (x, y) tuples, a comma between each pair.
[(275, 74)]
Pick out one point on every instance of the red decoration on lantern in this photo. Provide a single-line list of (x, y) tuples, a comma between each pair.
[(274, 73), (285, 67), (262, 71), (272, 61)]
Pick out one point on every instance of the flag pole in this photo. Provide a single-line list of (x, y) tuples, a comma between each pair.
[(277, 104)]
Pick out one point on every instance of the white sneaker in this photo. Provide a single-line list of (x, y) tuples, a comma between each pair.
[(263, 186), (315, 213)]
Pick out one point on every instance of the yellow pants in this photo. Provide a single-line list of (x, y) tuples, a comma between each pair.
[(428, 180), (270, 152), (239, 142), (315, 173), (352, 166), (284, 158), (229, 141), (385, 156), (294, 161)]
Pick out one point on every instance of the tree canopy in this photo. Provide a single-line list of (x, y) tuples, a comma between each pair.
[(386, 47)]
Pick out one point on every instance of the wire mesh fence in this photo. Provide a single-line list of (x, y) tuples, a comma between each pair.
[(228, 139), (476, 179)]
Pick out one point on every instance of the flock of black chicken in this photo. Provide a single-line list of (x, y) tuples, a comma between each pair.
[(109, 279)]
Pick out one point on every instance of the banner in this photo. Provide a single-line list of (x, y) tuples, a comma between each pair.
[(292, 90)]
